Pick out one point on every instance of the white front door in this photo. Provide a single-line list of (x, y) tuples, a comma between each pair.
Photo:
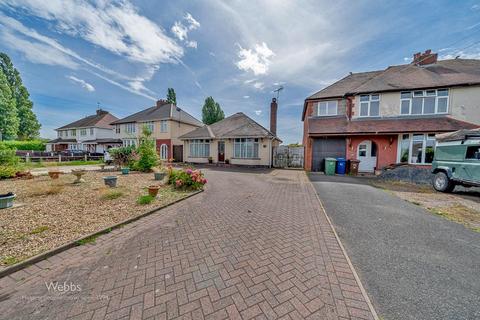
[(367, 154)]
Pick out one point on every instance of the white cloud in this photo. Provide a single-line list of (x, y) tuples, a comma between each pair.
[(246, 97), (181, 29), (473, 54), (258, 85), (114, 26), (258, 112), (256, 60), (87, 86), (476, 7)]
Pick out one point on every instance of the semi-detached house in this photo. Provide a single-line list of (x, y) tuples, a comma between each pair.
[(166, 121), (391, 116)]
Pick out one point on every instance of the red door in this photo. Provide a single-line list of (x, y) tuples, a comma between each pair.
[(221, 151)]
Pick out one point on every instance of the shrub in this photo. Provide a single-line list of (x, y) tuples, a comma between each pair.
[(187, 179), (123, 156), (112, 195), (146, 151), (8, 171), (35, 145), (8, 157), (145, 199)]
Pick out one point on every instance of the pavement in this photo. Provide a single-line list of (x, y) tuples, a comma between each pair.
[(414, 265), (255, 245)]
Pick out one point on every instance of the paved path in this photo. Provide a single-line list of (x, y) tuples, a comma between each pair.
[(413, 264), (251, 246)]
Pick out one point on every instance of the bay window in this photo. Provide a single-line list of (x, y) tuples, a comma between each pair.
[(83, 132), (424, 102), (327, 108), (130, 128), (163, 126), (200, 148), (245, 148), (417, 148), (369, 105), (150, 126)]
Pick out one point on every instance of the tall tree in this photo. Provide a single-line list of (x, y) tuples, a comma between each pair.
[(28, 125), (171, 96), (211, 111), (8, 112)]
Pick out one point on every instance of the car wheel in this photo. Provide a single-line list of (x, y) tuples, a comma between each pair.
[(442, 183)]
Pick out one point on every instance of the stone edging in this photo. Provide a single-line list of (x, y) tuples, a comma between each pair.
[(74, 243), (357, 278)]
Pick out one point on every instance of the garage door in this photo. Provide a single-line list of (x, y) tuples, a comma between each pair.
[(326, 148)]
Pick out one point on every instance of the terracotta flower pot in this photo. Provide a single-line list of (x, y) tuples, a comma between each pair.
[(54, 174), (153, 190)]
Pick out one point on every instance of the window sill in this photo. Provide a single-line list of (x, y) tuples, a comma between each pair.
[(199, 157), (246, 158)]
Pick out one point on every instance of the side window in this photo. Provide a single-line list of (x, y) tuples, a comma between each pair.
[(473, 153)]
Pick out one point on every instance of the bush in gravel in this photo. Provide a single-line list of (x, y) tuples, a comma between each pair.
[(186, 179), (9, 163), (112, 195), (123, 156), (147, 155), (145, 199)]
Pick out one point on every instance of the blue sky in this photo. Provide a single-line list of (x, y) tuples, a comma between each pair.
[(125, 54)]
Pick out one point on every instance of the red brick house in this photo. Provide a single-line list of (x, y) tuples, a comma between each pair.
[(391, 116)]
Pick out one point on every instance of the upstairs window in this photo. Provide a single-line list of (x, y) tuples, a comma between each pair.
[(117, 128), (83, 132), (130, 127), (327, 108), (163, 126), (60, 133), (92, 131), (150, 125), (369, 105), (424, 102), (73, 132)]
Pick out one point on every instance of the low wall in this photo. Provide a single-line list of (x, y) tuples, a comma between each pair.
[(409, 174)]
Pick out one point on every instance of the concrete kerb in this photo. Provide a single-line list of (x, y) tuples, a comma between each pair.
[(74, 243), (357, 278)]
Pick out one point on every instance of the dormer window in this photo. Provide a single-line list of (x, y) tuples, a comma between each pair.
[(327, 108), (369, 105), (418, 102)]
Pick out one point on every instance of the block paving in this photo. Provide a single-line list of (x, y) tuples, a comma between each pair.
[(252, 246)]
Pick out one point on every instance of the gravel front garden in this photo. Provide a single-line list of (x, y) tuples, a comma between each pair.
[(49, 213)]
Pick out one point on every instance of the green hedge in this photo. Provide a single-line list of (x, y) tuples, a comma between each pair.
[(36, 145)]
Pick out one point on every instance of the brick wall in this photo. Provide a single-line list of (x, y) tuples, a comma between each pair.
[(168, 142), (386, 148)]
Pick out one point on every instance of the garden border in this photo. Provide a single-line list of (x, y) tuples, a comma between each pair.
[(74, 243)]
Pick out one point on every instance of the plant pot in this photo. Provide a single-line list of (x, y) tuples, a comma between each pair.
[(159, 175), (125, 170), (110, 181), (227, 161), (6, 200), (54, 174), (210, 160), (153, 190), (79, 174)]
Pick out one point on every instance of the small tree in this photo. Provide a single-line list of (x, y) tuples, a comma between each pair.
[(211, 111), (123, 156), (148, 157), (171, 96)]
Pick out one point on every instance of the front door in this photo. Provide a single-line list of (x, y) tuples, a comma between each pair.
[(221, 151), (367, 154)]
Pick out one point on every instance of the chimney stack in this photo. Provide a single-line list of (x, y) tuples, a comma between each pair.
[(427, 57), (161, 102), (273, 116), (100, 112)]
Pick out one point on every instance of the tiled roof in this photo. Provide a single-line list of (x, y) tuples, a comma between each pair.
[(234, 126), (162, 112), (60, 140), (103, 140), (101, 119), (403, 77), (341, 126)]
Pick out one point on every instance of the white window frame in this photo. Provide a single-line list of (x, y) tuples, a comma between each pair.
[(130, 127), (73, 132), (246, 148), (92, 131), (129, 142), (199, 148), (117, 128), (368, 102), (426, 137), (164, 152), (327, 114), (83, 132), (424, 95), (163, 126)]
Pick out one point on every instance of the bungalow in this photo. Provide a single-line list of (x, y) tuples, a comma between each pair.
[(91, 134), (391, 116), (237, 139)]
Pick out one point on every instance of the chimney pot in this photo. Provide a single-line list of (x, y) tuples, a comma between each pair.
[(273, 116), (161, 102), (427, 57)]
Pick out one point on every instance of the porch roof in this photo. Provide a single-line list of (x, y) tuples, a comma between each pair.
[(341, 125), (61, 141)]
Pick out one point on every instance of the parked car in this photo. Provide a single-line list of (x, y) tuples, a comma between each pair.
[(73, 153), (457, 160)]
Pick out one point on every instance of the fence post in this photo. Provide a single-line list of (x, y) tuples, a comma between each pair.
[(59, 157), (86, 158)]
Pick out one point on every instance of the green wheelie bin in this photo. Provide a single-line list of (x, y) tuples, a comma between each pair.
[(330, 164)]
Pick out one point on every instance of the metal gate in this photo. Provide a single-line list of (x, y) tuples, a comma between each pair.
[(288, 157)]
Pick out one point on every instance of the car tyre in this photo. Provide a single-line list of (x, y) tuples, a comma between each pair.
[(442, 183)]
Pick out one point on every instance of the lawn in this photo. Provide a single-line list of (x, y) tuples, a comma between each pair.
[(49, 213), (456, 207)]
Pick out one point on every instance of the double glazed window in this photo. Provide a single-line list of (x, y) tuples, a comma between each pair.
[(327, 108), (130, 128), (163, 126), (424, 102), (199, 148), (369, 105), (73, 132), (417, 148), (129, 142), (117, 128), (245, 148), (83, 132), (149, 125), (92, 131)]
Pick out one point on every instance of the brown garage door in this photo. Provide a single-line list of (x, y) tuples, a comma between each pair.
[(326, 148)]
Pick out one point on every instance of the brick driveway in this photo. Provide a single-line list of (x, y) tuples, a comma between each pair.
[(253, 245)]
